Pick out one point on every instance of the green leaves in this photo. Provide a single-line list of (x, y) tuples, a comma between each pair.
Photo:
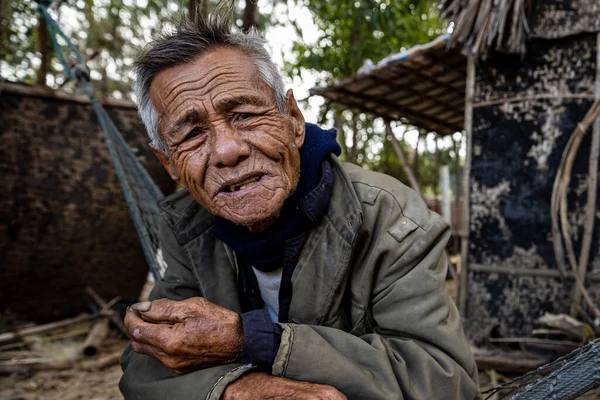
[(353, 31)]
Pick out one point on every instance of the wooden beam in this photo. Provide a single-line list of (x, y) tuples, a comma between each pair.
[(421, 95), (407, 113), (402, 157), (421, 75)]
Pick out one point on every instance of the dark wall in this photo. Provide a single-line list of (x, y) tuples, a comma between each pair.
[(517, 147), (551, 19), (64, 223)]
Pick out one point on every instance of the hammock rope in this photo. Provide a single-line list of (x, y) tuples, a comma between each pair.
[(140, 191)]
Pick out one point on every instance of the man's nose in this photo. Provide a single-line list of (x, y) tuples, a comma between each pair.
[(229, 148)]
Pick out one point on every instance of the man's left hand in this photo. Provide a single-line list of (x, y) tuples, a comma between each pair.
[(185, 335)]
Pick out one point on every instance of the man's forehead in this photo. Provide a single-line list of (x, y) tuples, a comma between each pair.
[(206, 74)]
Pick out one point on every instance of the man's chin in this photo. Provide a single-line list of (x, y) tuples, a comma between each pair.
[(254, 223)]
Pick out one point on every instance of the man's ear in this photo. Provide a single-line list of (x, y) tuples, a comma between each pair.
[(292, 109), (165, 161)]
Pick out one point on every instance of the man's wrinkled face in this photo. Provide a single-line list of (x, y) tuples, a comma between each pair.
[(229, 144)]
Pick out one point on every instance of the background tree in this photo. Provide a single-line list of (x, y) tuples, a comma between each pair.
[(108, 32), (353, 33), (112, 32)]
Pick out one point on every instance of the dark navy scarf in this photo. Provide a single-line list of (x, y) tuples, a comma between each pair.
[(265, 250)]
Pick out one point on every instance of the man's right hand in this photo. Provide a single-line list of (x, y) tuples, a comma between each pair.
[(261, 386)]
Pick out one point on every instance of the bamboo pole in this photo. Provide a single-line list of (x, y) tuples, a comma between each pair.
[(469, 97), (105, 307), (44, 49), (36, 330), (560, 223), (2, 26), (250, 17), (94, 339), (403, 160), (592, 188)]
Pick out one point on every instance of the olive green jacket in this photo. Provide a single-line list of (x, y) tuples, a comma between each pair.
[(370, 313)]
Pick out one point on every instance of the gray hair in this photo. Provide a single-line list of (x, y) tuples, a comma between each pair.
[(197, 35)]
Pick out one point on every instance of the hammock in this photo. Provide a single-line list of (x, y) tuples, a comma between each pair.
[(141, 193), (564, 379)]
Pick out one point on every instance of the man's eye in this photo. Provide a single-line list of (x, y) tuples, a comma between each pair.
[(194, 132), (243, 116)]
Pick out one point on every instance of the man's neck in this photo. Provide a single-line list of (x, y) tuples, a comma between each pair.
[(263, 225)]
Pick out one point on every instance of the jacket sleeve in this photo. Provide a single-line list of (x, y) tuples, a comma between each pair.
[(145, 377), (416, 349)]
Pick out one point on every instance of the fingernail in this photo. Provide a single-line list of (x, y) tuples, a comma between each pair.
[(142, 306), (137, 333)]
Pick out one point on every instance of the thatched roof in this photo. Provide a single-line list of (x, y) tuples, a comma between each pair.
[(424, 86), (484, 25)]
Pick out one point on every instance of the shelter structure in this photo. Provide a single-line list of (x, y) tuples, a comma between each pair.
[(523, 76), (63, 217)]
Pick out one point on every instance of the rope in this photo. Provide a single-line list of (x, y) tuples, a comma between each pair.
[(140, 191)]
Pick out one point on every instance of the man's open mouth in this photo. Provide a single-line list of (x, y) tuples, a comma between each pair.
[(246, 183)]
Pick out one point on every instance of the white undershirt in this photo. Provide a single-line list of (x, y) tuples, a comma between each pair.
[(269, 284)]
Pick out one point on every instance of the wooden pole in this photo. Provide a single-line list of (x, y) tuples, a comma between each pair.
[(44, 49), (2, 26), (415, 166), (36, 330), (250, 17), (446, 198), (105, 307), (469, 96), (193, 5), (436, 175), (338, 123), (95, 338), (398, 149), (592, 188)]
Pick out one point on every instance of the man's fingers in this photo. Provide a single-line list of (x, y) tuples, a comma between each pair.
[(147, 349), (165, 310), (158, 335), (166, 359)]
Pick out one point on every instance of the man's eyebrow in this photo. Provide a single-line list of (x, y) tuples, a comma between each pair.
[(248, 99), (189, 118)]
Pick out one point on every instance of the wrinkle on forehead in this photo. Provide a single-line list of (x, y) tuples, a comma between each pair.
[(221, 67)]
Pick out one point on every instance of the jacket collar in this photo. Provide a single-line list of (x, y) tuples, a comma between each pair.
[(189, 220), (321, 268)]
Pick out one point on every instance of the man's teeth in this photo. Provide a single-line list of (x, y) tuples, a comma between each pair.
[(244, 184)]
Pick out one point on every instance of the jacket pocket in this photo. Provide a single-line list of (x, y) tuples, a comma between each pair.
[(402, 228)]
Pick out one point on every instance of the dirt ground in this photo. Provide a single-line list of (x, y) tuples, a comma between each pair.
[(70, 384), (74, 377), (68, 374)]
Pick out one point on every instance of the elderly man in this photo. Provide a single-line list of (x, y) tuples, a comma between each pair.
[(290, 275)]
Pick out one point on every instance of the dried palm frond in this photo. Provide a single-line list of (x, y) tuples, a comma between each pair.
[(481, 26)]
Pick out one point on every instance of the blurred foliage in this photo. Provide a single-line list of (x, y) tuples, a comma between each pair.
[(111, 33), (108, 32), (352, 33)]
